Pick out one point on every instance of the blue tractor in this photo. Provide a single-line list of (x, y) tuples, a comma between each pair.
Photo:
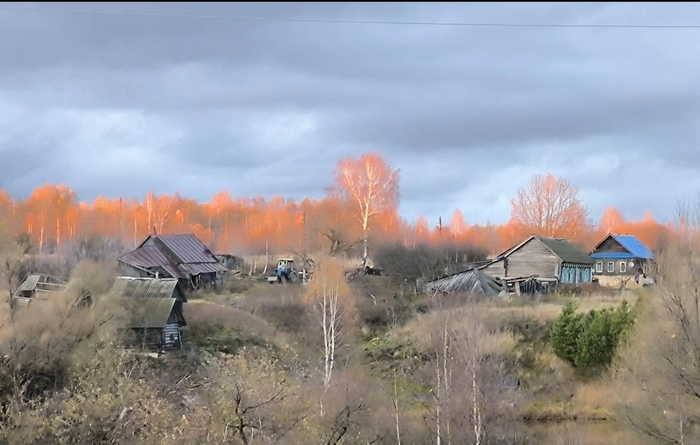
[(284, 273)]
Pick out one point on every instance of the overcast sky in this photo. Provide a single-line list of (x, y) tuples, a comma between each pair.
[(195, 98)]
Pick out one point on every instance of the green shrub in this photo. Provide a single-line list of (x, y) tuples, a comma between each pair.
[(588, 341), (565, 332)]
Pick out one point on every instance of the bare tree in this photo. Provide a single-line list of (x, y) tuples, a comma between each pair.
[(372, 185), (159, 210), (12, 252), (472, 391), (549, 206), (330, 298), (254, 401), (338, 241)]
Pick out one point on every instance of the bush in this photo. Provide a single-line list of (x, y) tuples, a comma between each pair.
[(588, 341), (234, 284), (403, 264)]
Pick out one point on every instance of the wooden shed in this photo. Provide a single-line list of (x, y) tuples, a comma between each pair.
[(155, 307), (552, 260)]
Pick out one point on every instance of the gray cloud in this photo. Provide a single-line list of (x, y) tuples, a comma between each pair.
[(123, 104)]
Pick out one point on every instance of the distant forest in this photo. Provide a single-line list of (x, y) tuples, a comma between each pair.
[(54, 216)]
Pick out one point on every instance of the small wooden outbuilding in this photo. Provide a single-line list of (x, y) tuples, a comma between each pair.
[(156, 309)]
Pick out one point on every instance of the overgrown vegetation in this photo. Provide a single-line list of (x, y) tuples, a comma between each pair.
[(389, 364), (407, 264)]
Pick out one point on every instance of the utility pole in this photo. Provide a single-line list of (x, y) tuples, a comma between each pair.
[(120, 219), (303, 218)]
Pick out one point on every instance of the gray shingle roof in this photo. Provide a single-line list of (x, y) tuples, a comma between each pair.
[(565, 250)]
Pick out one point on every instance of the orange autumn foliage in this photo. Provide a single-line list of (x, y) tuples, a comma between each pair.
[(53, 217)]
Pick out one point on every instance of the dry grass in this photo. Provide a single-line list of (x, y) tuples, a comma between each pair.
[(590, 433), (424, 328), (548, 311), (199, 312)]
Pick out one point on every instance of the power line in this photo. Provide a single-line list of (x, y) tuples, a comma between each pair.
[(358, 22)]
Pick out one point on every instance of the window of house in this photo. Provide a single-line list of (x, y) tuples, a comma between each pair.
[(599, 267), (611, 266), (567, 275), (623, 266)]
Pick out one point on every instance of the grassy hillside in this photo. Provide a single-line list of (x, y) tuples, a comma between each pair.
[(252, 371)]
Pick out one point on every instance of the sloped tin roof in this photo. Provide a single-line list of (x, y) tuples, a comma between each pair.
[(40, 283), (151, 312), (144, 287), (188, 248), (29, 283), (156, 299)]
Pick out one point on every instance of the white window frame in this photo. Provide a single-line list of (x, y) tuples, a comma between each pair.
[(599, 267), (611, 266), (623, 266)]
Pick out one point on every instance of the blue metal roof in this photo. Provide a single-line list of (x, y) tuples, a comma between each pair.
[(634, 246)]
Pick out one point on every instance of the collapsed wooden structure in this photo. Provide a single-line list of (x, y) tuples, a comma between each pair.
[(39, 288), (472, 281)]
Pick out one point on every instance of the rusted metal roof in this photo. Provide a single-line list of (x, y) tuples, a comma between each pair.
[(152, 258), (186, 247), (180, 256)]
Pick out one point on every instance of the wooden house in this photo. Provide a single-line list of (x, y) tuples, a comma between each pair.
[(183, 257), (620, 257), (550, 260), (155, 309)]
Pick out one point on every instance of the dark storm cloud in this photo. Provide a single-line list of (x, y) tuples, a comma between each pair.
[(123, 104)]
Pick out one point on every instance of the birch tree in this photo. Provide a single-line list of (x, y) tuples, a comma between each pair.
[(329, 297), (372, 185), (472, 402), (550, 206)]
